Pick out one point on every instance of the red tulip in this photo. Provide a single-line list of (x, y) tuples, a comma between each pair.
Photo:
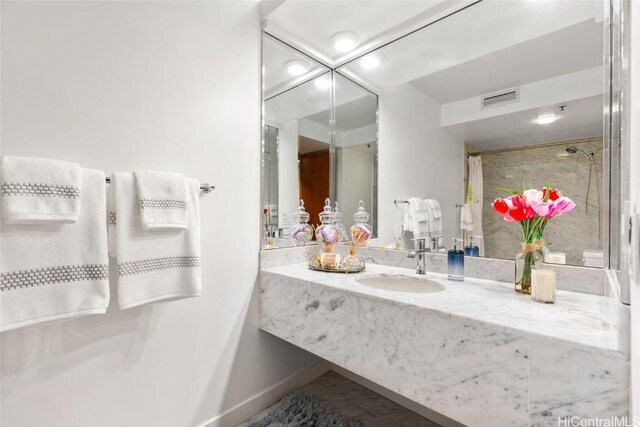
[(500, 206), (517, 214), (519, 201), (554, 194)]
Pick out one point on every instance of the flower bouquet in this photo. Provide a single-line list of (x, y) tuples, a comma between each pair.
[(532, 209)]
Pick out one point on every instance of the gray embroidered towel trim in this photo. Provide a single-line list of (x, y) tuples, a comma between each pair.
[(162, 199), (40, 191)]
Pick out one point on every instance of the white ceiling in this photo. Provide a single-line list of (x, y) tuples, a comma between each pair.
[(490, 46), (277, 79), (301, 101), (581, 119), (570, 49), (480, 31), (310, 24)]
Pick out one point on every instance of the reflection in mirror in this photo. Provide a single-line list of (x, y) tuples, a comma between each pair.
[(296, 143), (497, 94), (356, 136)]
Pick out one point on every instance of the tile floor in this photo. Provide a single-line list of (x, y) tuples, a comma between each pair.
[(357, 402)]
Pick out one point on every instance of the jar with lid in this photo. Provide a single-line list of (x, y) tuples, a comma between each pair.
[(360, 231), (301, 232), (327, 234)]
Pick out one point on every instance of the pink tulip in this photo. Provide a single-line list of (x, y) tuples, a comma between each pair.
[(542, 208), (562, 205)]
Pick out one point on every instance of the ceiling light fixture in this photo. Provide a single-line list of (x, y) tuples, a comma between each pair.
[(344, 41), (370, 62), (296, 67), (546, 119)]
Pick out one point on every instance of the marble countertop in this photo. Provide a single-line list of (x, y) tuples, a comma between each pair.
[(577, 319)]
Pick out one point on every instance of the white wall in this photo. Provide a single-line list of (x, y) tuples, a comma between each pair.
[(120, 86), (288, 191), (354, 173), (634, 161), (417, 158)]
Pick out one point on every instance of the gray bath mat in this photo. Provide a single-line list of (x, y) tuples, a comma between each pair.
[(301, 409)]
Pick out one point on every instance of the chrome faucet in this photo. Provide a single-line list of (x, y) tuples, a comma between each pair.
[(418, 254)]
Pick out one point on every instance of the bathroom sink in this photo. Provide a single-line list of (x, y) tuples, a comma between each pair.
[(401, 283)]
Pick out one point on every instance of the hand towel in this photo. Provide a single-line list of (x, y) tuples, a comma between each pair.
[(435, 218), (162, 200), (419, 218), (56, 271), (405, 216), (154, 266), (111, 221), (435, 207), (38, 191), (466, 217)]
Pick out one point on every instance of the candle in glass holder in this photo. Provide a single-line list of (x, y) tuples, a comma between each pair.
[(557, 258), (543, 285)]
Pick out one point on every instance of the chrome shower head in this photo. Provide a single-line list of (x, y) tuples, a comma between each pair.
[(573, 150)]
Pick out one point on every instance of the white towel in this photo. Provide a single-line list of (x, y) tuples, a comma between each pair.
[(154, 266), (405, 216), (38, 191), (466, 217), (435, 208), (56, 271), (435, 218), (162, 200), (111, 220), (419, 218)]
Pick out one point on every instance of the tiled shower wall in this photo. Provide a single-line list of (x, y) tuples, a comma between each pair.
[(570, 233)]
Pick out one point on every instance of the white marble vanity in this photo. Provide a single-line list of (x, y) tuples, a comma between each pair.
[(475, 352)]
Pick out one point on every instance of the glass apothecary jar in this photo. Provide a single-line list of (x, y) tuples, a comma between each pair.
[(301, 232), (360, 231), (327, 233)]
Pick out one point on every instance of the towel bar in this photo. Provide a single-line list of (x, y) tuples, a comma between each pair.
[(396, 201), (204, 187)]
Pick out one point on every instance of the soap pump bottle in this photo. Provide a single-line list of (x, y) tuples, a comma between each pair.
[(456, 262), (471, 249)]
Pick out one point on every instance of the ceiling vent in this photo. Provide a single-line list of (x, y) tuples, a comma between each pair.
[(500, 98)]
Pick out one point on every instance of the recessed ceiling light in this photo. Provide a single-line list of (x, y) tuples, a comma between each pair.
[(296, 67), (322, 83), (546, 119), (344, 41), (370, 62)]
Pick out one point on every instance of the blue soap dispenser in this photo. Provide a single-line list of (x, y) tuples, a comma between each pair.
[(456, 262), (471, 249)]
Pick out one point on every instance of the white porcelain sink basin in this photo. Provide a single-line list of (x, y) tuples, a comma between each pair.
[(401, 283)]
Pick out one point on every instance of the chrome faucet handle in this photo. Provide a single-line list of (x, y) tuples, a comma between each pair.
[(420, 248), (435, 243)]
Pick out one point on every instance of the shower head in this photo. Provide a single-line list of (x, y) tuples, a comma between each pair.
[(573, 150)]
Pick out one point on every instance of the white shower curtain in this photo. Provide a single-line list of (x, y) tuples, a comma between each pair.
[(475, 195)]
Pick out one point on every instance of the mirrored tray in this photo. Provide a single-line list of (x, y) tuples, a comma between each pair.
[(345, 265)]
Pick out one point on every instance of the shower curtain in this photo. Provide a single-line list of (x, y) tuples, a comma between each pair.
[(474, 196)]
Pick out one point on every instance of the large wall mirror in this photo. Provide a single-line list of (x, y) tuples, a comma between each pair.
[(319, 140), (470, 105)]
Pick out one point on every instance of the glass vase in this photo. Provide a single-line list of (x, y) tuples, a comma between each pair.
[(542, 249), (526, 261)]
